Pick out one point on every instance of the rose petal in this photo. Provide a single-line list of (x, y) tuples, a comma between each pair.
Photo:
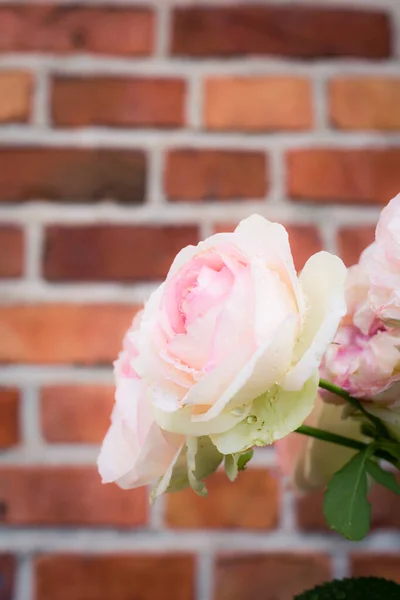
[(273, 415), (268, 241), (322, 281)]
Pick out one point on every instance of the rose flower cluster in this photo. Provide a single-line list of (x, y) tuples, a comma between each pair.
[(225, 356), (230, 351)]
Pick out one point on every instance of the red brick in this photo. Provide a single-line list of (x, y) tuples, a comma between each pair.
[(9, 419), (302, 31), (256, 489), (305, 241), (115, 577), (376, 565), (117, 253), (15, 96), (71, 29), (268, 576), (365, 103), (258, 103), (63, 333), (353, 240), (7, 577), (76, 413), (12, 251), (73, 175), (384, 508), (118, 102), (344, 176), (59, 495), (221, 174), (310, 516)]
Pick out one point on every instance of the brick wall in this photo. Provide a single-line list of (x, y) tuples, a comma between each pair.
[(128, 130)]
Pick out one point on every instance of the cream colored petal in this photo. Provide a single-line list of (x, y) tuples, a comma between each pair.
[(268, 241), (181, 421), (273, 415), (322, 281), (267, 366)]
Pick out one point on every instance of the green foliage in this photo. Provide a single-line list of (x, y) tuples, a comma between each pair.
[(363, 588), (244, 458), (383, 477), (346, 507)]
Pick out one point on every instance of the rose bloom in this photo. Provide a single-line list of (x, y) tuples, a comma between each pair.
[(364, 357), (383, 265), (225, 357), (311, 463)]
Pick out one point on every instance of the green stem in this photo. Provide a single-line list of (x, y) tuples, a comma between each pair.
[(341, 440), (335, 389), (334, 438)]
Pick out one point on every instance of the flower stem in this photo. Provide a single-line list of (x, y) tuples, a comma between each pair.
[(335, 389), (334, 438), (341, 440)]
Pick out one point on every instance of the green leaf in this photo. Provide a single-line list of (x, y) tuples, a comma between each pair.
[(392, 447), (385, 478), (244, 458), (346, 506)]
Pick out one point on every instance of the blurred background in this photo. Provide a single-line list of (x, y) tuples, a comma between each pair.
[(128, 130)]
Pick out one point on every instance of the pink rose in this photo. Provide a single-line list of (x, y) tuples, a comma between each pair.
[(384, 265), (226, 354), (364, 357)]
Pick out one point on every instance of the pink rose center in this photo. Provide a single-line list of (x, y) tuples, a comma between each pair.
[(204, 283)]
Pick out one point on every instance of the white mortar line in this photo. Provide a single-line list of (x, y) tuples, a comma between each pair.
[(41, 108), (154, 179), (180, 213), (157, 510), (328, 231), (24, 581), (340, 565), (206, 229), (320, 104), (162, 29), (89, 64), (30, 422), (139, 139), (194, 100), (205, 576), (46, 455), (108, 540), (34, 249), (16, 375), (27, 292), (287, 518), (276, 175)]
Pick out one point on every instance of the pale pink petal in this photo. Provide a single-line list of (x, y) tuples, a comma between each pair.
[(269, 242)]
